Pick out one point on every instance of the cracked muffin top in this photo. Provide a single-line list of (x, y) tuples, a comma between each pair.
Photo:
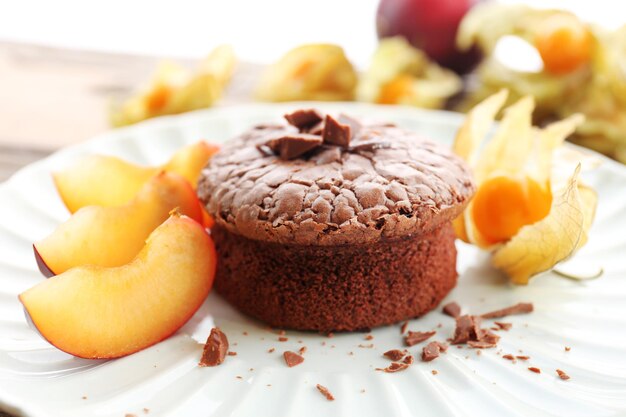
[(326, 181)]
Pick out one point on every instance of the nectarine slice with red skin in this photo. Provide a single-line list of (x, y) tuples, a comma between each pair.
[(107, 181), (101, 313), (112, 236)]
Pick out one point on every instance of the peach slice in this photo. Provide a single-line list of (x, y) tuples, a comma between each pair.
[(112, 236), (100, 313), (108, 181)]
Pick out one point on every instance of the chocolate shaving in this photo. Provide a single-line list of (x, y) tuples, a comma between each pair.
[(452, 309), (292, 359), (522, 357), (467, 328), (413, 338), (508, 357), (480, 344), (567, 348), (325, 392), (408, 359), (534, 369), (304, 119), (215, 348), (394, 367), (488, 336), (503, 326), (271, 350), (336, 133), (231, 353), (434, 372), (302, 350), (291, 146), (369, 337), (368, 346), (283, 339), (404, 327), (394, 354), (562, 375), (519, 308), (432, 350)]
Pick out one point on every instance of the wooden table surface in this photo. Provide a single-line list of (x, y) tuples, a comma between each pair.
[(51, 98)]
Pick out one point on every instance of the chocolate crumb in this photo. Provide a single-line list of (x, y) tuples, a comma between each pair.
[(567, 348), (522, 357), (534, 369), (394, 354), (404, 327), (146, 410), (84, 397), (331, 334), (239, 377), (432, 350), (479, 352), (281, 333), (215, 348), (302, 350), (452, 309), (283, 339), (503, 326), (434, 372), (562, 375), (323, 343), (251, 369), (408, 360), (368, 346), (414, 338), (245, 333), (369, 337), (231, 353), (439, 325), (130, 415), (271, 350), (394, 367), (362, 391), (351, 353), (325, 392), (519, 308), (304, 119), (488, 336), (292, 359), (508, 357)]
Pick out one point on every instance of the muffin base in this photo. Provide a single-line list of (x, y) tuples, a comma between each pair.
[(336, 288)]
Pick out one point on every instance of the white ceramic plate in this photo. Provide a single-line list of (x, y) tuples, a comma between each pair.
[(37, 380)]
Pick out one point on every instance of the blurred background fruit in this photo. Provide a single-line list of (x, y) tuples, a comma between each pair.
[(430, 25)]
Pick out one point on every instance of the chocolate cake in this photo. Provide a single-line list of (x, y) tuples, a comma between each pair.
[(329, 224)]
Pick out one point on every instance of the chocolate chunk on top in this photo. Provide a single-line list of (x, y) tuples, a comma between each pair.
[(215, 349), (291, 146), (519, 308), (414, 338), (336, 133), (395, 354), (304, 119), (452, 309)]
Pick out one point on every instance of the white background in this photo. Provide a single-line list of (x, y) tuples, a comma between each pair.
[(260, 30)]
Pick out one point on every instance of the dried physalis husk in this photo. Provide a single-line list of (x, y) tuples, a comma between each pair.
[(319, 72), (528, 214), (173, 89)]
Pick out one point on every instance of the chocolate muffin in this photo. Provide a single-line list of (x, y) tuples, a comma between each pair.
[(333, 225)]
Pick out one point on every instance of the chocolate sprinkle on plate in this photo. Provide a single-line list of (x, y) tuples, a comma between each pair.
[(215, 348), (503, 326), (519, 308), (452, 309), (394, 367), (508, 357), (404, 327), (231, 353), (414, 338), (534, 369), (480, 344), (394, 354), (325, 392), (522, 357), (432, 350), (562, 375), (292, 359), (283, 339), (408, 360)]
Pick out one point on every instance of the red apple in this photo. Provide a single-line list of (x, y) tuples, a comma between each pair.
[(430, 25)]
